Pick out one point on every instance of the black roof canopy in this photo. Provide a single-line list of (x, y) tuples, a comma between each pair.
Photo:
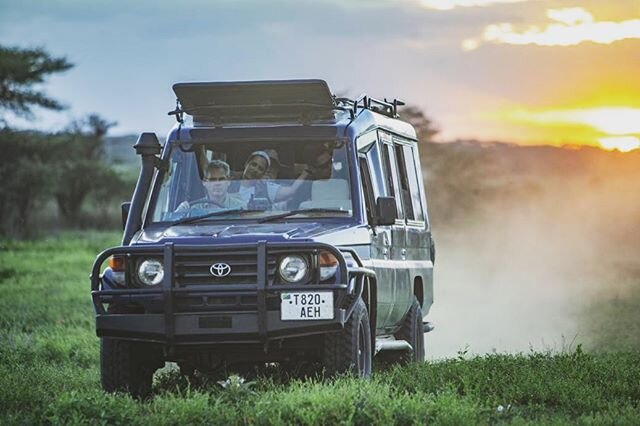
[(256, 101)]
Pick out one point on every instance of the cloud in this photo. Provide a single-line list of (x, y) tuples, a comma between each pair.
[(572, 26), (452, 4), (621, 143), (570, 16)]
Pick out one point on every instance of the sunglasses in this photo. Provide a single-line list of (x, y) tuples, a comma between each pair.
[(215, 179)]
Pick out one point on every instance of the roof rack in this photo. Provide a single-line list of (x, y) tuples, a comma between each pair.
[(384, 107)]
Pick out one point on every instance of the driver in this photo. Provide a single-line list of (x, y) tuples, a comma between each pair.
[(216, 181)]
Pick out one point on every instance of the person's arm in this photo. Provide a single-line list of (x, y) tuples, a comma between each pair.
[(286, 192)]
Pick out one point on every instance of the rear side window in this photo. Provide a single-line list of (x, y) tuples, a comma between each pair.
[(412, 166), (404, 181)]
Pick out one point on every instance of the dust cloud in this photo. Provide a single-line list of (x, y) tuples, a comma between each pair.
[(534, 245)]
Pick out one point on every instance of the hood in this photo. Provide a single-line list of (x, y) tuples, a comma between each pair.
[(243, 233)]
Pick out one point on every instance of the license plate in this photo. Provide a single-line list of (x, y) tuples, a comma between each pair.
[(308, 305)]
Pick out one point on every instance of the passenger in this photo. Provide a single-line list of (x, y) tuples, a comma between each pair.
[(255, 185), (324, 162), (274, 168), (272, 174), (216, 182)]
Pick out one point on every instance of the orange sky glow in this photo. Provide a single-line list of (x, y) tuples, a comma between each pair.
[(607, 114), (558, 72)]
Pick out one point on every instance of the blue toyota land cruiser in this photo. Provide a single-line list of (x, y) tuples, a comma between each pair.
[(277, 223)]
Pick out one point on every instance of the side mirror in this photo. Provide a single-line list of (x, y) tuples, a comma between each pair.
[(124, 210), (386, 212)]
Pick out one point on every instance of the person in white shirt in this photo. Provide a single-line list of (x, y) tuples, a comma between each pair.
[(253, 184)]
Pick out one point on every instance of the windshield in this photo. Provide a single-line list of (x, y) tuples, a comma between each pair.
[(253, 180)]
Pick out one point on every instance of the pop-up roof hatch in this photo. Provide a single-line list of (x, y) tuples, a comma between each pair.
[(256, 101)]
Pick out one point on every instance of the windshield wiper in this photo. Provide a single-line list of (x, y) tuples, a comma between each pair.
[(298, 211), (186, 220)]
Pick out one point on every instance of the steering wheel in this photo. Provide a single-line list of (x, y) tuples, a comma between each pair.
[(204, 203)]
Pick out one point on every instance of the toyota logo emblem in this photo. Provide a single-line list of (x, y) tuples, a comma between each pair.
[(220, 270)]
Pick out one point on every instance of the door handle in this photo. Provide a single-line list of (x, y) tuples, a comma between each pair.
[(403, 252)]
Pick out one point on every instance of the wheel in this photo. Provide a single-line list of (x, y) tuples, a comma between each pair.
[(126, 367), (411, 330), (349, 350)]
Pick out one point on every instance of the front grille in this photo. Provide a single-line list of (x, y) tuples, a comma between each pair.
[(193, 268), (224, 303)]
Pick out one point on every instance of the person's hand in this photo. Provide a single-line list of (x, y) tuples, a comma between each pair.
[(323, 159), (309, 171)]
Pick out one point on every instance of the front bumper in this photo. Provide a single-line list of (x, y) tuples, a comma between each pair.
[(204, 328), (256, 322)]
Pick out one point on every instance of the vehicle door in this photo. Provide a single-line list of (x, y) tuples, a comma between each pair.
[(420, 248), (374, 185), (417, 266), (398, 229)]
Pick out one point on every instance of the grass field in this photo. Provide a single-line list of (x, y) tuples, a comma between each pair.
[(49, 370)]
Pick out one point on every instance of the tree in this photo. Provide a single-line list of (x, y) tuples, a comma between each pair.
[(424, 126), (35, 166), (21, 70), (26, 172), (82, 170), (92, 125)]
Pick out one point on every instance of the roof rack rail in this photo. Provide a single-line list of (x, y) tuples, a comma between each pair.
[(384, 107)]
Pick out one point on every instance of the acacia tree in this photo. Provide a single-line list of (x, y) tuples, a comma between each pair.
[(25, 162), (21, 72)]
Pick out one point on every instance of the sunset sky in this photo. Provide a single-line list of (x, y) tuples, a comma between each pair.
[(526, 71)]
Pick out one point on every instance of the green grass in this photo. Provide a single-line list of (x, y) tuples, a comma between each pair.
[(49, 370)]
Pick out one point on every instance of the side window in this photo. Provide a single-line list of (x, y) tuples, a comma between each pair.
[(388, 172), (371, 149), (391, 174), (163, 202), (412, 166), (368, 190), (405, 189)]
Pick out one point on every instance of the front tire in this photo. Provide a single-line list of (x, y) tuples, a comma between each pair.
[(349, 350), (126, 367)]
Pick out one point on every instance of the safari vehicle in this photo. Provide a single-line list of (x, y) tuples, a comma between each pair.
[(329, 265)]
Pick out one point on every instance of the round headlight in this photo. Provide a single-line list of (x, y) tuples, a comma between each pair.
[(150, 272), (293, 269)]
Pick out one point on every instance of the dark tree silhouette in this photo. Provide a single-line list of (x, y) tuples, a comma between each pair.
[(424, 126), (21, 71), (92, 125)]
